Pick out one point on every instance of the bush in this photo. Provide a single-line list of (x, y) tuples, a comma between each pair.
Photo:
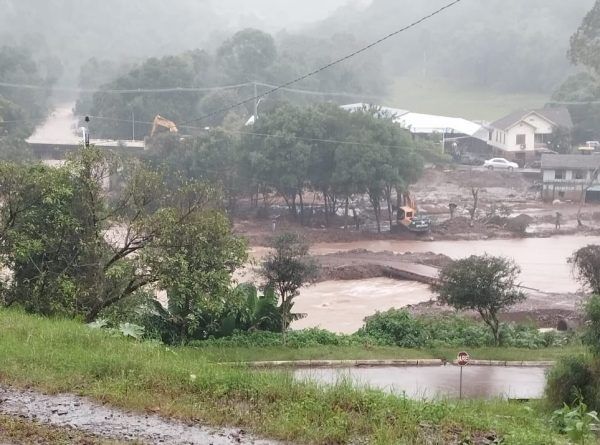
[(395, 327), (399, 328), (295, 339), (574, 378), (591, 336)]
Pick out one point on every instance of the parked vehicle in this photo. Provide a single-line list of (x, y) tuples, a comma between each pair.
[(499, 164)]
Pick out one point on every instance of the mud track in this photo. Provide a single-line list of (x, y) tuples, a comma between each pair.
[(361, 264), (66, 410)]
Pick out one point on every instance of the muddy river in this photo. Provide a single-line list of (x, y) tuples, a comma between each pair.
[(543, 260), (440, 381), (341, 306)]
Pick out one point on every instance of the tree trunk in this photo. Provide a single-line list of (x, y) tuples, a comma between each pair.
[(346, 215), (301, 208), (388, 198), (326, 210)]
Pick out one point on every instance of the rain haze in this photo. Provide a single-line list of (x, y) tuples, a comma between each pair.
[(353, 199)]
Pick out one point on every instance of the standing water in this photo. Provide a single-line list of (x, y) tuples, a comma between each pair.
[(439, 381)]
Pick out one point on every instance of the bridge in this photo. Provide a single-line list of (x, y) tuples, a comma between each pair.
[(49, 148)]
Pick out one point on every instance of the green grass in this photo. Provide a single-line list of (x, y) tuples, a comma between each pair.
[(239, 354), (24, 432), (437, 96), (64, 356)]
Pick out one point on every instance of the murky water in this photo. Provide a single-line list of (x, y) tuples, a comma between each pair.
[(341, 306), (440, 381), (543, 260)]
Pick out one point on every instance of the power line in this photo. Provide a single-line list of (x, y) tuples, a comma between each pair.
[(265, 135), (125, 91), (329, 65), (187, 89)]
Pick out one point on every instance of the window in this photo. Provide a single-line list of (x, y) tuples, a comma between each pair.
[(522, 140), (579, 174), (491, 133), (559, 174), (540, 138), (561, 194)]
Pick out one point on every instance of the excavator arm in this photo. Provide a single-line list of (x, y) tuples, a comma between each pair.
[(161, 122)]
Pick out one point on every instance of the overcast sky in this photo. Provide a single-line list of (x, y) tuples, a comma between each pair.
[(278, 14)]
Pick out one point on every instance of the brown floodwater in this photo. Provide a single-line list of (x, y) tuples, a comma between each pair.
[(341, 306), (485, 382), (543, 260)]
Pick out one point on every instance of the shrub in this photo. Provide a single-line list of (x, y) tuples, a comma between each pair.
[(295, 339), (395, 327), (572, 378), (591, 336)]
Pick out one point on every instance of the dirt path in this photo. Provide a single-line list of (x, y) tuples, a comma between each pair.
[(71, 411)]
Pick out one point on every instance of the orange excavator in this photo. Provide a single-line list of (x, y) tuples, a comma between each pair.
[(408, 219), (161, 122)]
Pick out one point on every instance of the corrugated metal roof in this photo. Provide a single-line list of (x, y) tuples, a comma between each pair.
[(577, 162), (425, 123), (430, 123)]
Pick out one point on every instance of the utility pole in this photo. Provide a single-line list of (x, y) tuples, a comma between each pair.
[(132, 125), (255, 102)]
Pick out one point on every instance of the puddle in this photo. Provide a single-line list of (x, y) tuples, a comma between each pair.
[(485, 382)]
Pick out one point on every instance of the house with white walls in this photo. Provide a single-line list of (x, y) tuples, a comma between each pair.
[(525, 134)]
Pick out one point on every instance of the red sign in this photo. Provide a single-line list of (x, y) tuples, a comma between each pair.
[(463, 358)]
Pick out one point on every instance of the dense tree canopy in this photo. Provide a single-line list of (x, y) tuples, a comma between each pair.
[(75, 251), (249, 56), (22, 108)]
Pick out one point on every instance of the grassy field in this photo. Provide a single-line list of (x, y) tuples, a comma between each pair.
[(238, 354), (437, 96), (64, 356)]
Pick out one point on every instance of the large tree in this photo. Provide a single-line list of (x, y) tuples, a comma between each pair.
[(586, 266), (74, 250), (585, 43), (486, 284)]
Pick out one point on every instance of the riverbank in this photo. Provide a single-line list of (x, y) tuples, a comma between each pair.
[(182, 384)]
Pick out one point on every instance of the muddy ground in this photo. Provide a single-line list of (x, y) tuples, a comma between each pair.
[(504, 200), (78, 413), (502, 196)]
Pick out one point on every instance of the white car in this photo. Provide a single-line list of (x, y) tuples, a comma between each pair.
[(500, 163)]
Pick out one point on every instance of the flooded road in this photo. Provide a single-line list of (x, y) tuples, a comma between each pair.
[(61, 126), (543, 260), (341, 306), (440, 381)]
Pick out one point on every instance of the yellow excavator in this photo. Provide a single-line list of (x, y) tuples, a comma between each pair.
[(161, 122), (408, 219)]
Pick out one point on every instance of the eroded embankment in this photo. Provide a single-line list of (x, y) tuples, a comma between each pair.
[(362, 264), (66, 410)]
